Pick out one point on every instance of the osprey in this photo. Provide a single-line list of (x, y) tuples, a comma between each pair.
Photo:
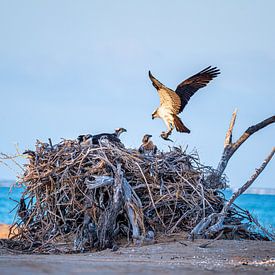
[(173, 102), (94, 139), (147, 147)]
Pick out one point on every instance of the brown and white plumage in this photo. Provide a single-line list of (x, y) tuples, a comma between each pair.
[(95, 139), (173, 102), (147, 147)]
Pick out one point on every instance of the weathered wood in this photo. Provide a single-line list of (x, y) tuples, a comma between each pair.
[(231, 147), (214, 223), (248, 183), (228, 137), (83, 193), (99, 181), (123, 197), (201, 227), (134, 210), (107, 221), (269, 235)]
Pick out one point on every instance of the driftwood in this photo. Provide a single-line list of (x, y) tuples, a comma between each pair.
[(82, 197), (95, 196), (215, 223), (231, 147)]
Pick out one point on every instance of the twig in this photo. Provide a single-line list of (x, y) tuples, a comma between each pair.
[(150, 194), (217, 219)]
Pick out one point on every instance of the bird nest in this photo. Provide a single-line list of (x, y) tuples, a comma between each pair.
[(79, 197)]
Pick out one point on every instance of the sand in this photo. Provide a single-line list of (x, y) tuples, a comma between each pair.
[(178, 257), (4, 231)]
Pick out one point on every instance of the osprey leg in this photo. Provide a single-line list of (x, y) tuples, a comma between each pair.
[(165, 135)]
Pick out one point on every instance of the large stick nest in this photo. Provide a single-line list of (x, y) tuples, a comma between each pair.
[(94, 196)]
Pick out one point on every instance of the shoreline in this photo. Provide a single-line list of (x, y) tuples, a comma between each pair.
[(178, 257), (4, 230), (166, 256)]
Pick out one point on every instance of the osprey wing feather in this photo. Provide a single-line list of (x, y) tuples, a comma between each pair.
[(173, 102), (168, 98), (189, 86)]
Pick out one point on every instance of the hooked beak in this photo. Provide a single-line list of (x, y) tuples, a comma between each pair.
[(88, 136), (153, 116)]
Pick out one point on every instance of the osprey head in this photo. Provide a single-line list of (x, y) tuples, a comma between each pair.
[(146, 138), (155, 114), (88, 136), (119, 131), (29, 153), (83, 138), (80, 138)]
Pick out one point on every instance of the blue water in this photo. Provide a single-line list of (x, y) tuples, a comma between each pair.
[(261, 206), (6, 204)]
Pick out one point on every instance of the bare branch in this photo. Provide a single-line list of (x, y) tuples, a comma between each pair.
[(228, 137), (216, 220), (251, 130), (249, 182), (269, 235), (230, 148)]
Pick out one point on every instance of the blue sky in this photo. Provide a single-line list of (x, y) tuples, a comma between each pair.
[(70, 67)]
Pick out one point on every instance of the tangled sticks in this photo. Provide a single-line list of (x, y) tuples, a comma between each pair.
[(80, 197)]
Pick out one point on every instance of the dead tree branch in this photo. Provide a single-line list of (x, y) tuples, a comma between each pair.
[(248, 183), (268, 234), (214, 223), (231, 147)]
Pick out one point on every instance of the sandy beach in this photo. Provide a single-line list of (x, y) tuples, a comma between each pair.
[(179, 257), (4, 231)]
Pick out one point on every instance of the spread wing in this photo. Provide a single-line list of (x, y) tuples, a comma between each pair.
[(189, 86), (168, 97)]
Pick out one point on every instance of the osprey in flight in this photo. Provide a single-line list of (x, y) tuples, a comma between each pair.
[(173, 102)]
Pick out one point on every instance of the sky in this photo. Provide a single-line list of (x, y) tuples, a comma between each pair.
[(74, 67)]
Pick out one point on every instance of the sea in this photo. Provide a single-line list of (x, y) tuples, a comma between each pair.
[(260, 206)]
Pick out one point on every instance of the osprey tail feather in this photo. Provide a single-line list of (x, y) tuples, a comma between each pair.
[(180, 127)]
